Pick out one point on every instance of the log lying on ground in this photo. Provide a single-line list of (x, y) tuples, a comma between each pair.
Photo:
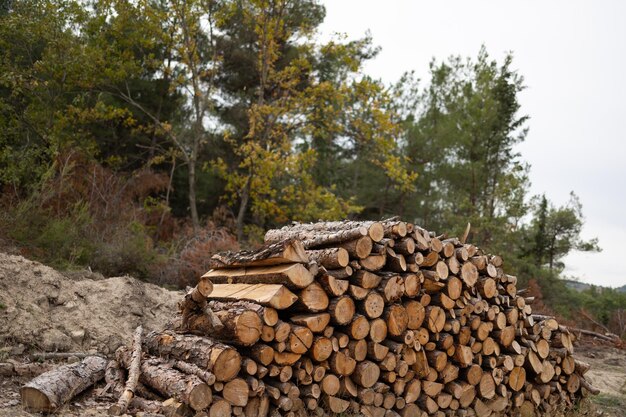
[(52, 389), (114, 376), (133, 377), (220, 359), (169, 382)]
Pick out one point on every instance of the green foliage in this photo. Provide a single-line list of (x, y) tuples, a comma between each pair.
[(117, 116), (556, 232), (73, 239), (59, 241), (463, 139)]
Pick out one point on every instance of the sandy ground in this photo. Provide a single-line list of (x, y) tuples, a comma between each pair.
[(608, 374), (44, 310)]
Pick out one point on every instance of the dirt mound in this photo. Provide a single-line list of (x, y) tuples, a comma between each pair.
[(42, 309)]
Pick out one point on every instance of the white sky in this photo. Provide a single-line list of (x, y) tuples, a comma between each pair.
[(572, 55)]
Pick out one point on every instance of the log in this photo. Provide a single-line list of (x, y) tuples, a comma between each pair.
[(321, 349), (378, 330), (54, 388), (342, 310), (114, 378), (300, 339), (396, 318), (261, 353), (293, 276), (366, 374), (315, 322), (435, 318), (517, 378), (395, 228), (358, 328), (220, 359), (341, 273), (313, 298), (391, 287), (133, 377), (284, 252), (336, 404), (469, 274), (220, 408), (588, 387), (311, 230), (191, 369), (373, 262), (365, 279), (169, 382), (286, 358), (333, 286), (405, 246), (342, 364), (358, 248), (358, 293), (272, 295), (330, 384), (240, 325), (330, 258), (269, 315), (236, 392)]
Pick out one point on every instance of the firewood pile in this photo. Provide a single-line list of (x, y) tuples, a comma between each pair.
[(381, 319)]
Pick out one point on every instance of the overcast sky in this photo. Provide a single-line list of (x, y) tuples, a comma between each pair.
[(572, 55)]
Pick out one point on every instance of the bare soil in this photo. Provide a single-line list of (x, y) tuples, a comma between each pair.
[(608, 374), (43, 310)]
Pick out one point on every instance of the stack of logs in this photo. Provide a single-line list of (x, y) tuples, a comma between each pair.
[(380, 319)]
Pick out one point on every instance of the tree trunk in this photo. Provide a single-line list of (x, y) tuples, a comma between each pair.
[(193, 207), (243, 207)]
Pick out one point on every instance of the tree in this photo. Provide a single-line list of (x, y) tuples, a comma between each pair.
[(556, 232), (181, 36), (463, 140), (308, 99)]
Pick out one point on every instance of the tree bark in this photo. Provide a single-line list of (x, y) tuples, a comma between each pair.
[(168, 381), (52, 389), (293, 276), (220, 359), (283, 252), (133, 377)]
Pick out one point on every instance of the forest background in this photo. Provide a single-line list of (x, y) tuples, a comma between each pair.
[(141, 136)]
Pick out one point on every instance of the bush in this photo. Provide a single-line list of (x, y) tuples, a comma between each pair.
[(85, 215)]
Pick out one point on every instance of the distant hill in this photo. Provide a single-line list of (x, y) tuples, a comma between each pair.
[(582, 286)]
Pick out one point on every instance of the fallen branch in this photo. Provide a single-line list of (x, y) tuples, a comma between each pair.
[(133, 376), (588, 386), (62, 355), (588, 317)]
